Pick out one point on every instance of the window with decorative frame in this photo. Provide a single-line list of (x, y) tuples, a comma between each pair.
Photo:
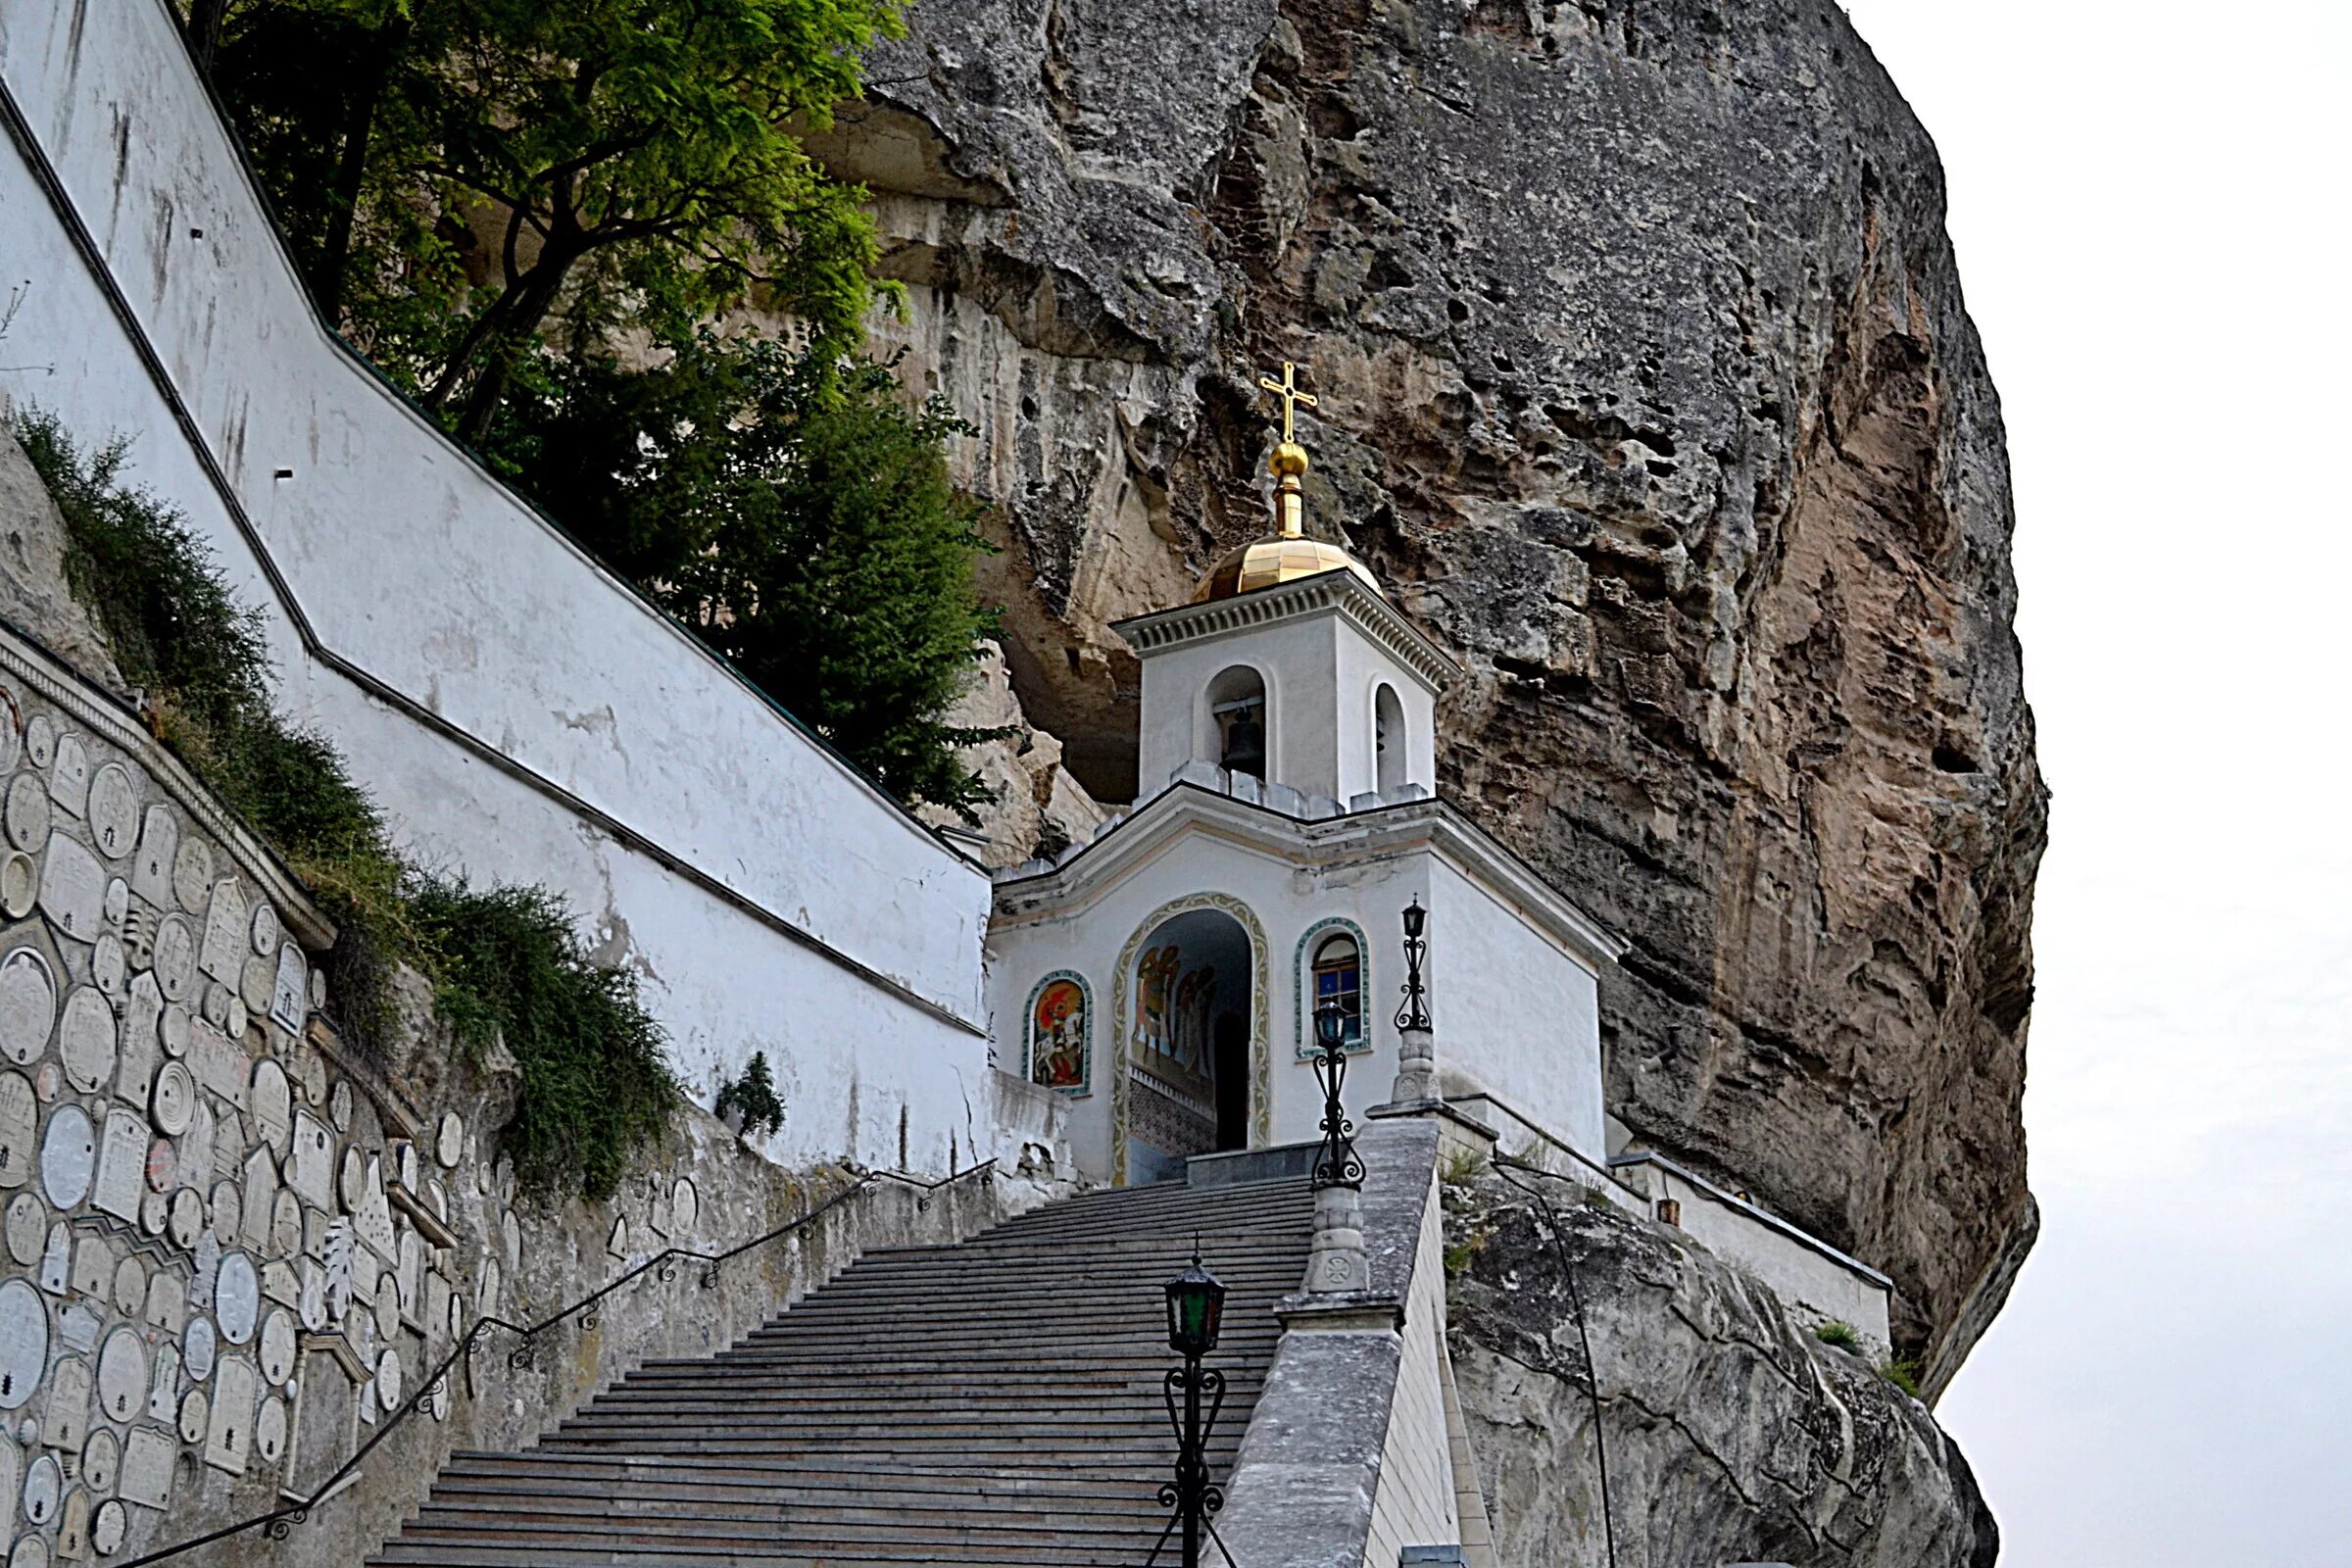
[(1339, 976)]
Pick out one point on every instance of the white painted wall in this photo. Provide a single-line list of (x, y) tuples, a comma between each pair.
[(520, 714), (1415, 1503)]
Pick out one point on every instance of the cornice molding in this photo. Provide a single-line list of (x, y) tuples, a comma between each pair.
[(1339, 592)]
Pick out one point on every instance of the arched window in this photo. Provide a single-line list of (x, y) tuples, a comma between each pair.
[(1388, 739), (1237, 715), (1339, 976)]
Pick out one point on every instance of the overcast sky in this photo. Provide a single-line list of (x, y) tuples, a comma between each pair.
[(2147, 200)]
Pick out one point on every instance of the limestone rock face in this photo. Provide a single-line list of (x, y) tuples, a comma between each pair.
[(33, 592), (1733, 1434), (1038, 809), (1647, 385)]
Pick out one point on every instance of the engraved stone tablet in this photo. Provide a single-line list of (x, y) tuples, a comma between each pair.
[(197, 1348), (57, 1260), (285, 996), (187, 1216), (72, 889), (231, 1438), (214, 1010), (27, 812), (685, 1204), (237, 1297), (254, 983), (371, 1220), (26, 1227), (311, 1301), (285, 1226), (73, 1526), (277, 1346), (122, 1165), (449, 1142), (218, 1062), (66, 1420), (174, 956), (114, 812), (44, 1490), (388, 1379), (159, 846), (102, 1459), (269, 1429), (196, 1148), (261, 1194), (266, 929), (70, 776), (147, 1457), (166, 1302), (85, 1040), (93, 1266), (134, 1064), (195, 1416), (173, 1030), (163, 1390), (272, 1104), (174, 1103), (11, 745), (20, 882), (69, 1157), (339, 1107), (154, 1215), (122, 1375), (109, 965), (40, 740), (192, 875), (23, 1342), (19, 1116), (311, 1168), (107, 1529), (131, 1287), (225, 927), (28, 1005), (117, 903)]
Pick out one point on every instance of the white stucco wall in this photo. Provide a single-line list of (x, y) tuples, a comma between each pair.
[(1416, 1503), (519, 713)]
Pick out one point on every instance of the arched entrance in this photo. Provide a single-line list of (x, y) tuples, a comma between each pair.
[(1192, 1017)]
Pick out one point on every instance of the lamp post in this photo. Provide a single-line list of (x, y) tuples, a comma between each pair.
[(1336, 1264), (1336, 1165), (1416, 1052), (1195, 1312)]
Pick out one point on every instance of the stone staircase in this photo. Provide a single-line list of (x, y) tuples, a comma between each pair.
[(996, 1402)]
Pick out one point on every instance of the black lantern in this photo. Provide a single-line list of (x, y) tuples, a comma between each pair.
[(1414, 1013), (1196, 1311), (1336, 1163), (1416, 919), (1331, 1025)]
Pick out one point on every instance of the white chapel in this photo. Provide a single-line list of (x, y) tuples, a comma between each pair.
[(1164, 976)]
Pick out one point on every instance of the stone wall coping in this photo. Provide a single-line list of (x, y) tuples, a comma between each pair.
[(23, 658), (1770, 1221)]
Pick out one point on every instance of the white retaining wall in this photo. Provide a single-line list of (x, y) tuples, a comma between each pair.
[(520, 714)]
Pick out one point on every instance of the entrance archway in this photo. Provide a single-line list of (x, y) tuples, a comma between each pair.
[(1192, 1075)]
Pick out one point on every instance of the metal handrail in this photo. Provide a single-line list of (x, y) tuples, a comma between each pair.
[(280, 1522)]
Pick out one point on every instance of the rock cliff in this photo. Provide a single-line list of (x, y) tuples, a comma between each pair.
[(1647, 383), (1733, 1434)]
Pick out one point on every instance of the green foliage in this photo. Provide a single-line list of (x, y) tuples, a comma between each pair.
[(796, 517), (1459, 1253), (1903, 1374), (1842, 1335), (457, 175), (1461, 1167), (596, 1088), (594, 1085), (752, 1096)]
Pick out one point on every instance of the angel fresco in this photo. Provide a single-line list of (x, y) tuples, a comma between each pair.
[(1057, 1030)]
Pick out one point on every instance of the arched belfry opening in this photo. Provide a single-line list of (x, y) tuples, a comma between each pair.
[(1188, 1044), (1237, 718), (1388, 743)]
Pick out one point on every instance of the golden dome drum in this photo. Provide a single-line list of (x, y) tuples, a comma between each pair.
[(1269, 562)]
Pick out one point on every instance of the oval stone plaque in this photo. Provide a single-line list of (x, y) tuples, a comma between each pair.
[(108, 1528), (85, 1040), (195, 1416), (20, 1114), (229, 1212), (339, 1106), (197, 1348), (109, 965), (237, 1297), (173, 1029), (44, 1490), (40, 740), (101, 1461), (23, 1342), (30, 1553), (187, 1216), (192, 875), (174, 1101), (114, 812), (27, 812), (28, 1005), (117, 903), (19, 880), (449, 1142), (174, 956), (73, 888), (69, 1157), (266, 930), (130, 1288), (122, 1375), (277, 1346), (26, 1228), (254, 981), (388, 1378), (269, 1429), (69, 775)]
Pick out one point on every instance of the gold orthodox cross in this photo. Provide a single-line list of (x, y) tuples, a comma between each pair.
[(1287, 389)]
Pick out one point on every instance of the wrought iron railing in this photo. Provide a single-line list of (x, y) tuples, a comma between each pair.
[(279, 1523)]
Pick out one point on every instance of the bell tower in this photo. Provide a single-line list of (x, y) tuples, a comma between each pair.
[(1290, 666)]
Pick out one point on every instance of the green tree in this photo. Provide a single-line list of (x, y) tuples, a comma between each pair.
[(798, 518)]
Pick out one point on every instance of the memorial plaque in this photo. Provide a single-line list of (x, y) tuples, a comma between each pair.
[(23, 1342), (123, 1165), (237, 1297), (134, 1066), (114, 812), (196, 1150), (173, 1030), (70, 776), (272, 1101), (351, 1182), (94, 1270), (73, 1526), (11, 745), (218, 1062), (147, 1457), (285, 1226), (154, 1215), (435, 1314), (163, 1170), (20, 1117), (192, 874), (229, 1212), (57, 1260), (69, 1157), (26, 1228), (65, 1417), (110, 966), (236, 1019), (260, 1197), (448, 1139), (187, 1217), (40, 740), (226, 927), (72, 889), (195, 1415), (254, 983), (387, 1308), (408, 1275), (277, 1346), (310, 1170), (77, 1326), (338, 1266), (174, 956), (388, 1378), (162, 1388), (235, 1392), (286, 995), (269, 1429), (85, 1040), (131, 1287), (339, 1107), (44, 1490), (267, 931), (685, 1206), (107, 1529), (215, 1009), (19, 882), (309, 1072), (102, 1459), (198, 1347), (118, 906), (27, 812), (122, 1375), (166, 1301), (174, 1101), (159, 846), (371, 1220), (28, 1005), (311, 1301)]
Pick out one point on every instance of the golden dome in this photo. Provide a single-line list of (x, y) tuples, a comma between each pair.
[(1278, 559)]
